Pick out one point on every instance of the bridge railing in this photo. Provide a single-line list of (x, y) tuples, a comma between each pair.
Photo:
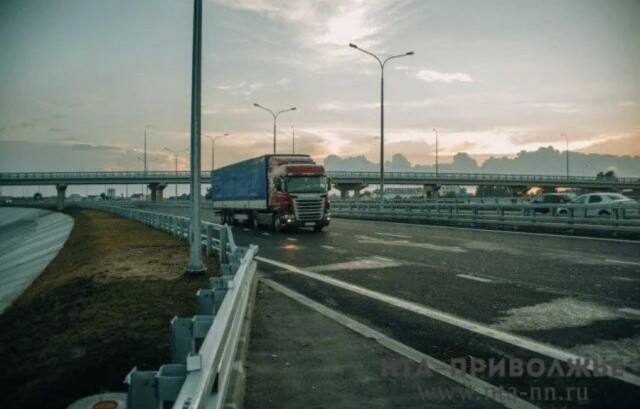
[(477, 176), (611, 217), (159, 174), (198, 377)]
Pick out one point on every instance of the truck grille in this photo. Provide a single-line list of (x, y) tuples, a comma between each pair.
[(308, 209)]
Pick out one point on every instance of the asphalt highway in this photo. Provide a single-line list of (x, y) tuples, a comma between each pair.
[(457, 293)]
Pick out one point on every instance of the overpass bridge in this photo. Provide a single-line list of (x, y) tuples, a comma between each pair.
[(341, 180)]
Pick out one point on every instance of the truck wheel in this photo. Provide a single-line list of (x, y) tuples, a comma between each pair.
[(254, 221), (277, 223)]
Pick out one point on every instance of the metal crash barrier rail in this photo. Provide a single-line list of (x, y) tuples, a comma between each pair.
[(608, 217), (203, 347)]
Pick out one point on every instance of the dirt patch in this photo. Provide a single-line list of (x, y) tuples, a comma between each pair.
[(101, 307)]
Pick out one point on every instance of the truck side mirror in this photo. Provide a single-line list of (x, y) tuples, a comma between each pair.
[(277, 183)]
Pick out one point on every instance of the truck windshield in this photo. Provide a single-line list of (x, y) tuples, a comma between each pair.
[(306, 184)]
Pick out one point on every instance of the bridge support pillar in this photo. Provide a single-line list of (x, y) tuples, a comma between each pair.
[(518, 191), (345, 188), (156, 190), (61, 189), (430, 190)]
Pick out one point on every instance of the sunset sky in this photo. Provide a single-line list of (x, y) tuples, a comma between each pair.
[(495, 76)]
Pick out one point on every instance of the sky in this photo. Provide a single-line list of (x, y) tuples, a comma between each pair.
[(80, 79)]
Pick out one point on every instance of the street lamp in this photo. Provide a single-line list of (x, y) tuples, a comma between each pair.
[(275, 117), (382, 64), (436, 131), (213, 144), (567, 138), (293, 140), (176, 153), (145, 147), (583, 169), (195, 266)]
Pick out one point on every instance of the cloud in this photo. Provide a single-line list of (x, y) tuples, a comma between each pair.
[(446, 77), (283, 82), (326, 27), (332, 106), (57, 130), (627, 103), (557, 107)]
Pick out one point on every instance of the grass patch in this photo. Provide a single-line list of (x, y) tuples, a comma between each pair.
[(102, 306)]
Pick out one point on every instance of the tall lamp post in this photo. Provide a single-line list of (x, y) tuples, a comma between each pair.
[(436, 131), (145, 147), (213, 147), (195, 266), (275, 117), (176, 153), (293, 140), (382, 64), (567, 138)]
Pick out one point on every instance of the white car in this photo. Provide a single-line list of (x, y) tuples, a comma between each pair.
[(598, 204)]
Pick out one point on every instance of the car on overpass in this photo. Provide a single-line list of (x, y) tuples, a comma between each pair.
[(601, 204), (550, 198)]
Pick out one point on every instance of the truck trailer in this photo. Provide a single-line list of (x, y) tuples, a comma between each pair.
[(278, 191)]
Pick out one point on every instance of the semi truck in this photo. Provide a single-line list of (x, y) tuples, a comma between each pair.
[(278, 191)]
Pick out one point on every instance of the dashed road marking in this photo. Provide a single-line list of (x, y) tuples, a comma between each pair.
[(406, 243), (246, 229), (631, 263), (475, 384), (630, 311), (476, 327), (266, 234), (475, 278), (291, 239), (402, 236), (358, 264), (328, 247)]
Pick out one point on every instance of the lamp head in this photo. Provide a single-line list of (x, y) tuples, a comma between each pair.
[(410, 53), (353, 45)]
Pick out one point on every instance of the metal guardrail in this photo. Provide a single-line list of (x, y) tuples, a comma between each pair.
[(610, 217), (197, 378)]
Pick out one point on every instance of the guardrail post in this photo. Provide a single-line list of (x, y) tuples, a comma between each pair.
[(169, 381), (209, 229), (181, 339), (206, 304), (219, 287), (142, 389)]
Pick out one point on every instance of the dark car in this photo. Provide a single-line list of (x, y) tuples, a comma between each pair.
[(550, 198)]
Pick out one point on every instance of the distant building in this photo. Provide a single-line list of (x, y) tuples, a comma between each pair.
[(137, 196), (111, 193)]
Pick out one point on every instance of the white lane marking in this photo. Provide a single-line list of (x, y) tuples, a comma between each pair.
[(246, 229), (566, 312), (291, 239), (557, 236), (482, 280), (266, 234), (630, 311), (631, 263), (519, 341), (402, 236), (632, 280), (358, 264), (407, 243), (475, 384), (328, 247)]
